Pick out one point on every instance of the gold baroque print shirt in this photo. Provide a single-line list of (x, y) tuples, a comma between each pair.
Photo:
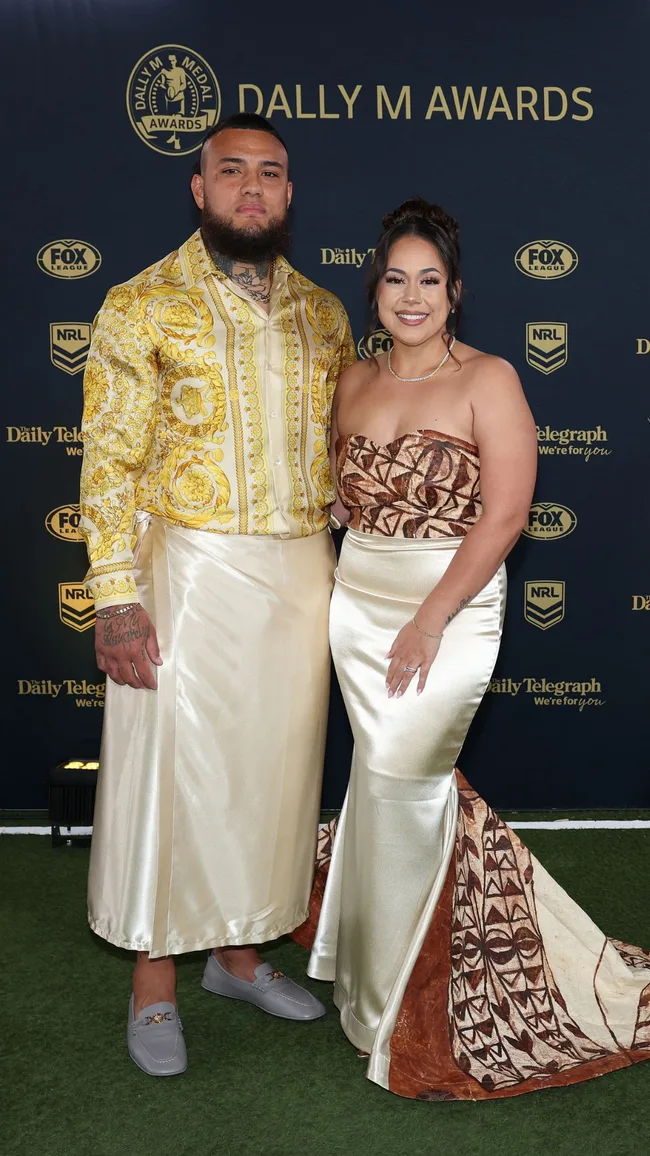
[(201, 408)]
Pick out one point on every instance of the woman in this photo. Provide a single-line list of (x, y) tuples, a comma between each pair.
[(460, 967)]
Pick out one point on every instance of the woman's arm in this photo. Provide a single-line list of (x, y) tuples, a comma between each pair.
[(339, 513), (504, 431)]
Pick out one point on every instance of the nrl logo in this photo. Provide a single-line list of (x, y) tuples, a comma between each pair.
[(547, 344), (76, 606), (544, 603), (69, 345)]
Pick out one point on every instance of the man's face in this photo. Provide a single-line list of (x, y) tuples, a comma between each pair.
[(244, 180)]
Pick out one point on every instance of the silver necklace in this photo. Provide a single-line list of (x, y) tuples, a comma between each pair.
[(427, 375)]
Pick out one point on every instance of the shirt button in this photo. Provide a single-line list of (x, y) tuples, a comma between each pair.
[(273, 413), (278, 461)]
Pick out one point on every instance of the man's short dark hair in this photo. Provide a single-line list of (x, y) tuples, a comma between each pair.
[(241, 120)]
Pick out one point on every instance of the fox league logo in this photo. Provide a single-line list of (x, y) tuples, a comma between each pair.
[(68, 259), (546, 260), (375, 344), (63, 522), (548, 520), (173, 98), (544, 603), (547, 345)]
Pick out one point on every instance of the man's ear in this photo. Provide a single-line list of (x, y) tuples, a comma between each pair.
[(196, 186), (289, 193)]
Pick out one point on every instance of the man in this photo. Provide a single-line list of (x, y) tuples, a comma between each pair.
[(205, 495)]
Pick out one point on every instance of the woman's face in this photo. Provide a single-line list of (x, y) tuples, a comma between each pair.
[(412, 295)]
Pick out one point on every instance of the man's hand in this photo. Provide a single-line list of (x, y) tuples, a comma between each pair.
[(125, 646)]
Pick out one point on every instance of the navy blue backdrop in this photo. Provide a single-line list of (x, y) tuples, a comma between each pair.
[(531, 129)]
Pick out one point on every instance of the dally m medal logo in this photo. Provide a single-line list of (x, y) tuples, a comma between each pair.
[(377, 343), (547, 345), (63, 522), (547, 520), (69, 345), (76, 606), (68, 259), (546, 259), (172, 99), (544, 603)]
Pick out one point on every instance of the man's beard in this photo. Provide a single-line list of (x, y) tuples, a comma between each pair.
[(248, 245)]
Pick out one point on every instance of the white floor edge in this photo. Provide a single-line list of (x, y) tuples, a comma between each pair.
[(550, 825)]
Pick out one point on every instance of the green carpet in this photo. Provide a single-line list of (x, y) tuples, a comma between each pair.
[(256, 1085)]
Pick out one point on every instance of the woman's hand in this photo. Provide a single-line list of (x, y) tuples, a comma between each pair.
[(410, 649)]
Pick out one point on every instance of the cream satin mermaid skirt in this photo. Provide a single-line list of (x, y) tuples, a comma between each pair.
[(460, 965), (396, 833), (209, 788)]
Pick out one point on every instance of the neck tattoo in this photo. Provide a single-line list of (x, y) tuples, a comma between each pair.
[(254, 278)]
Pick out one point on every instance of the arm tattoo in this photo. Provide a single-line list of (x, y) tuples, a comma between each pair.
[(253, 277), (461, 605)]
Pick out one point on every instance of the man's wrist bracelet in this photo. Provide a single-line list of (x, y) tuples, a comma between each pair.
[(425, 632), (114, 612)]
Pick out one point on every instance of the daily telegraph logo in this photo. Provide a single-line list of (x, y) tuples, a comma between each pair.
[(173, 98), (40, 436), (544, 603), (548, 520), (551, 692), (641, 601), (547, 345), (69, 345), (69, 259), (377, 343), (63, 523), (92, 692), (76, 606), (354, 257), (546, 260)]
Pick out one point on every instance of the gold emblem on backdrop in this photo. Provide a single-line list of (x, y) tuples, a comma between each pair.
[(378, 342), (546, 259), (548, 520), (69, 345), (547, 344), (68, 259), (76, 606), (63, 522), (544, 603), (172, 98)]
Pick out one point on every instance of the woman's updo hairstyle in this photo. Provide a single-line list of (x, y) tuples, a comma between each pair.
[(419, 218)]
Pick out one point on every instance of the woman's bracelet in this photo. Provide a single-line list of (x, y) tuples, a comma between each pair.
[(425, 632), (114, 612)]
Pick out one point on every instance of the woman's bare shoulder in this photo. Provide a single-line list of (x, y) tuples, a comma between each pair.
[(356, 375)]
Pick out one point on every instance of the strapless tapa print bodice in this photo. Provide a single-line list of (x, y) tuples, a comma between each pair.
[(424, 484)]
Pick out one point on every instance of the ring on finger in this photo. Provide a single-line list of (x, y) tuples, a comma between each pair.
[(411, 669)]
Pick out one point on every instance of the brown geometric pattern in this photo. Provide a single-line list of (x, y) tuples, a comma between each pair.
[(508, 1021), (424, 484), (482, 1016)]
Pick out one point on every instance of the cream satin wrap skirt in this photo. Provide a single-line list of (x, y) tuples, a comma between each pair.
[(209, 787), (396, 832)]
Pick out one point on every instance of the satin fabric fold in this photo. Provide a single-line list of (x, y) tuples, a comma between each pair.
[(396, 832), (209, 788)]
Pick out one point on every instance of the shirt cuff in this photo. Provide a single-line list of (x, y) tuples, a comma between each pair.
[(112, 589)]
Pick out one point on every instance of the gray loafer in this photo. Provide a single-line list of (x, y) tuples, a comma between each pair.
[(272, 991), (155, 1040)]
